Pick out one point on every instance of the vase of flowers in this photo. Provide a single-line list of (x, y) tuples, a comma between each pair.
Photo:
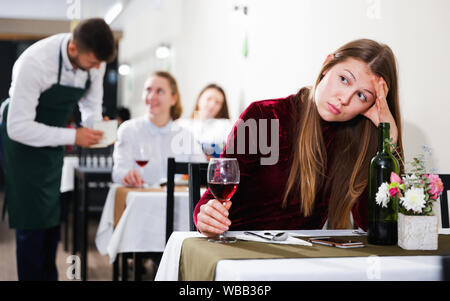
[(415, 193)]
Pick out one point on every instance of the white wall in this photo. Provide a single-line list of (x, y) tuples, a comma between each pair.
[(146, 24), (287, 41), (54, 9)]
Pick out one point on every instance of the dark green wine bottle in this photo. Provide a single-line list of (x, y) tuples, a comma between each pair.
[(382, 228)]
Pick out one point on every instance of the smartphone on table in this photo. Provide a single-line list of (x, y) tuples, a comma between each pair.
[(336, 242)]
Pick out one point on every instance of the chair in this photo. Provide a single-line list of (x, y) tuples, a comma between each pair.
[(173, 168), (95, 157), (89, 158), (445, 223), (444, 201), (92, 179), (446, 268), (197, 178)]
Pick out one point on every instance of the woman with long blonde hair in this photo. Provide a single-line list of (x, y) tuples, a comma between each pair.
[(327, 136), (156, 131)]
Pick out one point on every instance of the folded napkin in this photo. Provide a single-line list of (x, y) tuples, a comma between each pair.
[(289, 241), (445, 231)]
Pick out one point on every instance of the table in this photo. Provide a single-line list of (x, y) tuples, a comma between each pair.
[(66, 189), (84, 176), (68, 173), (317, 269), (142, 226)]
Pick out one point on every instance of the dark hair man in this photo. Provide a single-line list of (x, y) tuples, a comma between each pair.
[(48, 80)]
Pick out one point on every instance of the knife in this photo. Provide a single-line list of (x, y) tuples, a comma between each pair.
[(260, 236)]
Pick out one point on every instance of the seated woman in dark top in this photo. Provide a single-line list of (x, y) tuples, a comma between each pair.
[(326, 136)]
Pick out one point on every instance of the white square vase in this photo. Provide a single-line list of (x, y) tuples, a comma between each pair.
[(417, 232)]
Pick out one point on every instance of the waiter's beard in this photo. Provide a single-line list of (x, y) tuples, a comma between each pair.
[(76, 62)]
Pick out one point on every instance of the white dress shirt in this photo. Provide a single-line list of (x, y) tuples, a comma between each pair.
[(35, 71), (168, 141)]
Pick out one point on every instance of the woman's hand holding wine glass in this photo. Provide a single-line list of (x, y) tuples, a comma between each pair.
[(133, 178), (141, 156), (212, 219), (223, 179)]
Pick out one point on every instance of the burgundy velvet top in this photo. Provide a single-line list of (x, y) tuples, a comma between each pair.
[(257, 203)]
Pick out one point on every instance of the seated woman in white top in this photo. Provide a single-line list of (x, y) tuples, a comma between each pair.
[(157, 132), (210, 123)]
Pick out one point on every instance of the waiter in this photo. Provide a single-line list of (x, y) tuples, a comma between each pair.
[(48, 80)]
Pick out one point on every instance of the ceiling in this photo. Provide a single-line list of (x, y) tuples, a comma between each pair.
[(55, 9)]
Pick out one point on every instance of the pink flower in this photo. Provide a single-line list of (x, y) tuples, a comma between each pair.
[(395, 178), (435, 187), (394, 191)]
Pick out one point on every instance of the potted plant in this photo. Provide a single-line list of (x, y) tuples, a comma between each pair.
[(415, 193)]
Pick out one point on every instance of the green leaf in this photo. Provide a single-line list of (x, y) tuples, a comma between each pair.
[(391, 217)]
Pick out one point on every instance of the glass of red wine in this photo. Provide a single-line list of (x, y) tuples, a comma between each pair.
[(223, 179), (141, 157)]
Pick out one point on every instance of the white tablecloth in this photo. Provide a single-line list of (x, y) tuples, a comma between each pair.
[(68, 173), (347, 268), (142, 227)]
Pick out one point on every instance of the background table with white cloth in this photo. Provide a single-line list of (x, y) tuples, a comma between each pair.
[(68, 173), (295, 269), (142, 226)]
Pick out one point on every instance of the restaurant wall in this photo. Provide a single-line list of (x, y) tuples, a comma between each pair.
[(286, 43), (146, 24)]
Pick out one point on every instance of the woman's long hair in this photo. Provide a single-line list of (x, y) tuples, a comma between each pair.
[(355, 141), (223, 112)]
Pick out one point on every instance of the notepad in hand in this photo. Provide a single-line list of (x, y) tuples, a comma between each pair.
[(109, 129)]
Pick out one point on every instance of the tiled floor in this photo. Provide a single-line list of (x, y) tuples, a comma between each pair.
[(99, 268)]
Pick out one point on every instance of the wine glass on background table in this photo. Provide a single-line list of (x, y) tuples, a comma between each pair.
[(223, 178), (212, 149), (142, 154)]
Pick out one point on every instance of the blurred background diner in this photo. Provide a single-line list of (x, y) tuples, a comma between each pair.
[(148, 141), (224, 55), (210, 121)]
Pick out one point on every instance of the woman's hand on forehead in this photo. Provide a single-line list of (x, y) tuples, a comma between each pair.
[(380, 112), (381, 87)]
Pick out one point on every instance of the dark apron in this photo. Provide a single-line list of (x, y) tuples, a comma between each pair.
[(33, 174)]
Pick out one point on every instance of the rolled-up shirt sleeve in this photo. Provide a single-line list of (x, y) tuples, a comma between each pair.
[(25, 92)]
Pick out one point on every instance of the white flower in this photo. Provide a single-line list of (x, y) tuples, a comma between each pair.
[(383, 197), (410, 180), (414, 199)]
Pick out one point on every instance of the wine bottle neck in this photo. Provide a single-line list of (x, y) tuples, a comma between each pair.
[(383, 136)]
